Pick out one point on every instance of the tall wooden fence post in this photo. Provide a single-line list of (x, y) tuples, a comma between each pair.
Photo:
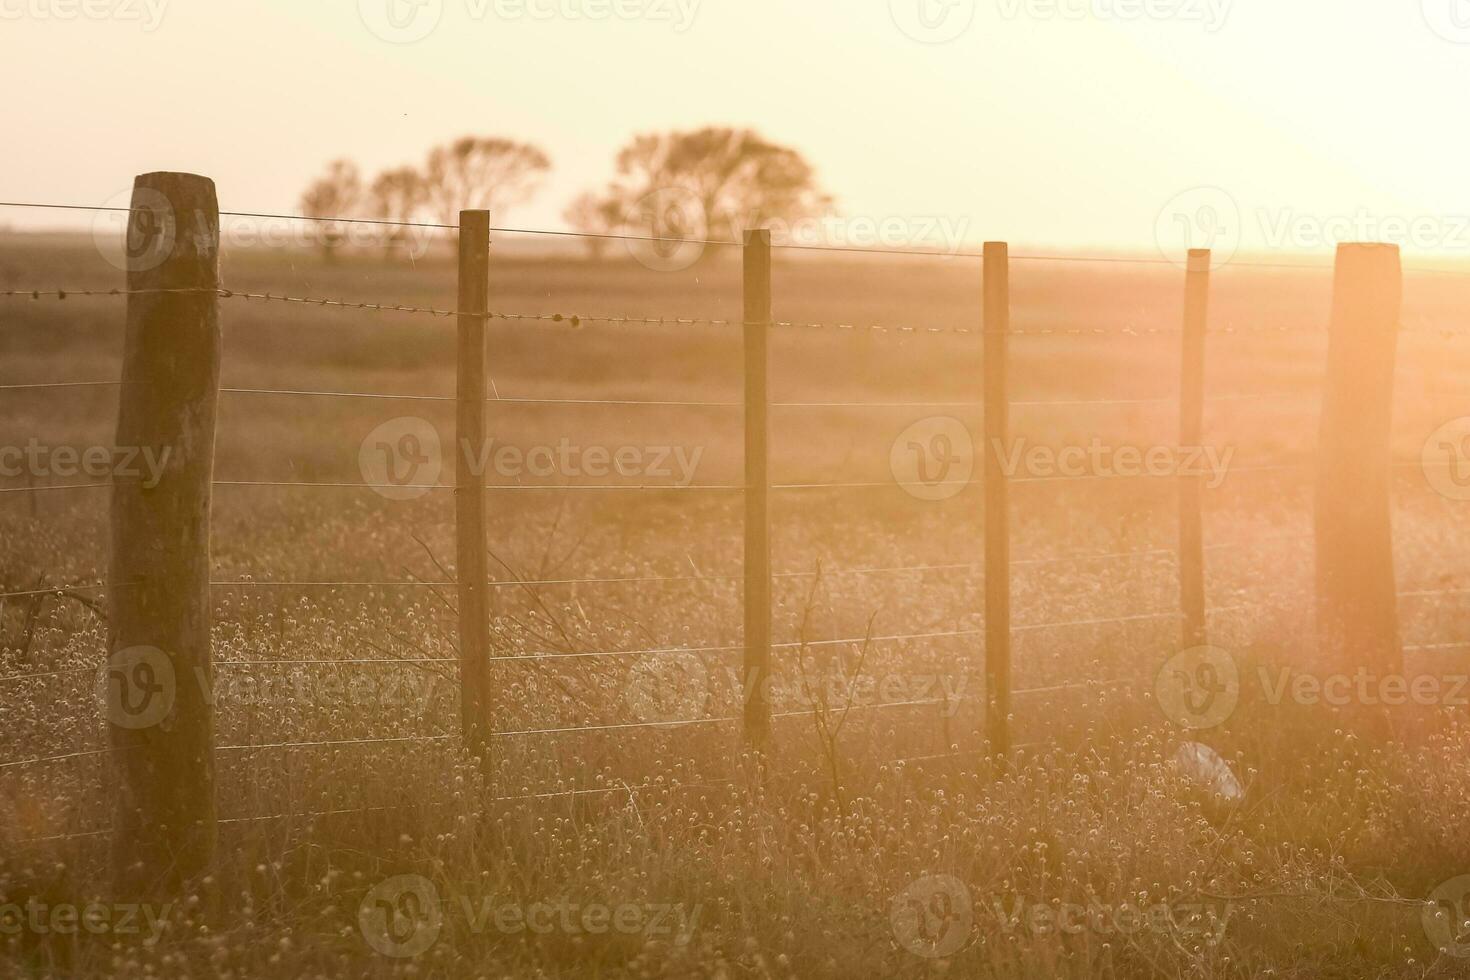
[(757, 600), (1191, 434), (997, 327), (160, 674), (471, 562), (1357, 617)]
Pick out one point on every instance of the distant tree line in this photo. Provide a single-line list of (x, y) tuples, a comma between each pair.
[(710, 182)]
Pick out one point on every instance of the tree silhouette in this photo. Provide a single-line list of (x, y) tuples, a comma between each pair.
[(336, 194), (398, 195), (711, 182), (481, 172), (593, 216)]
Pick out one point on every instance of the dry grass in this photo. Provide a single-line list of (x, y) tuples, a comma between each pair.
[(1322, 871)]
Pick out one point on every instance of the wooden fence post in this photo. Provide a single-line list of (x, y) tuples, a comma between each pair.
[(1191, 434), (997, 327), (1357, 617), (471, 562), (160, 674), (757, 600)]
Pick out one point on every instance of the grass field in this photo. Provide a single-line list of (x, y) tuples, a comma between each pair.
[(847, 863)]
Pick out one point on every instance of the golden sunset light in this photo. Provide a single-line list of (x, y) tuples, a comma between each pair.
[(687, 488)]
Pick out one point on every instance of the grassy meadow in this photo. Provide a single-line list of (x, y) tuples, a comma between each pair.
[(883, 844)]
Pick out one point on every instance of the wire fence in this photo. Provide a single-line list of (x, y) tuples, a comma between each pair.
[(101, 591)]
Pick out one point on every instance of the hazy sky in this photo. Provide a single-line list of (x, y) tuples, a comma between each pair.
[(1057, 123)]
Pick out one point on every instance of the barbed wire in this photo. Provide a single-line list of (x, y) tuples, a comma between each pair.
[(578, 319)]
